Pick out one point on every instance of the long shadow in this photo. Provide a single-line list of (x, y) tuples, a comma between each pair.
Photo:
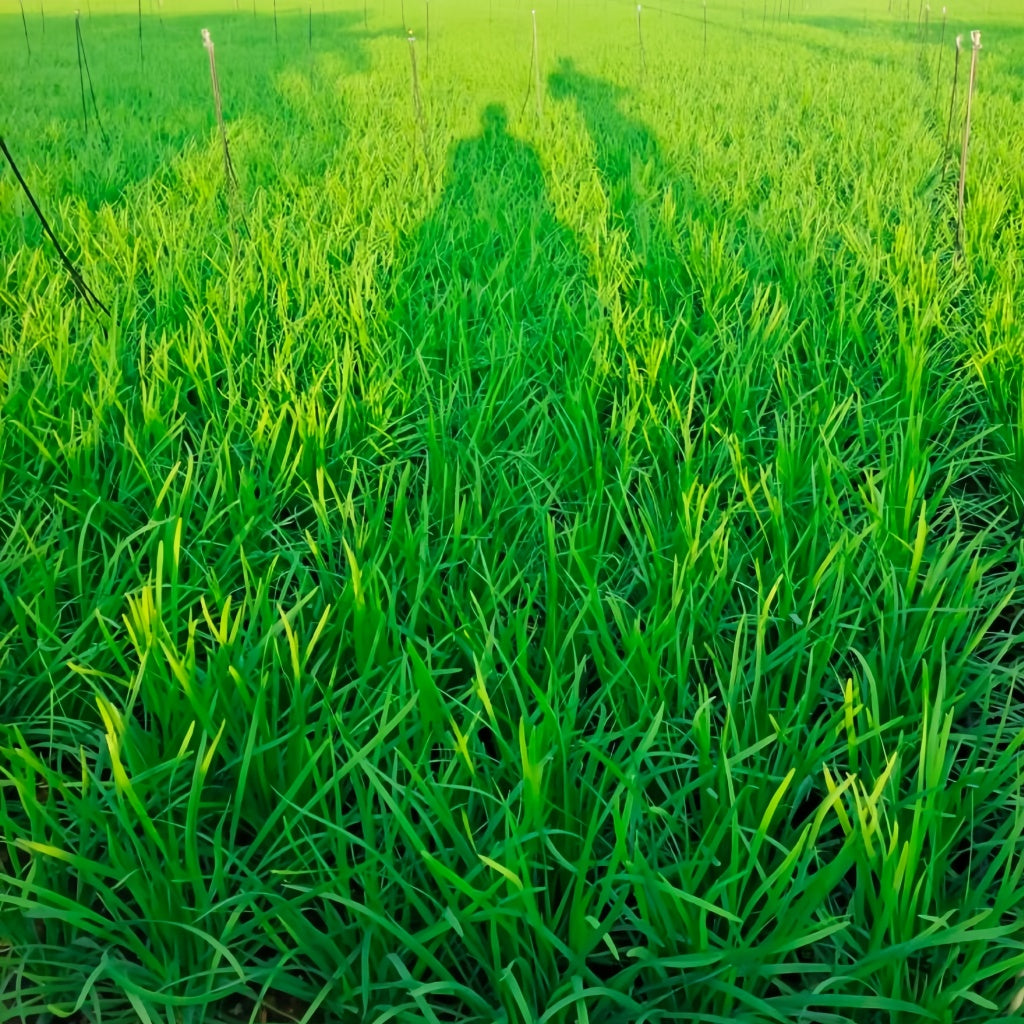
[(636, 178), (492, 288), (154, 98)]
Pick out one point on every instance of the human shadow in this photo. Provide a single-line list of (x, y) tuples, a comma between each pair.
[(492, 291), (637, 182)]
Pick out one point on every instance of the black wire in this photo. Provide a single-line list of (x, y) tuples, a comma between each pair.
[(83, 289)]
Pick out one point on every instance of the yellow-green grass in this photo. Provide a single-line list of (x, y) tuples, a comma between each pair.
[(505, 568)]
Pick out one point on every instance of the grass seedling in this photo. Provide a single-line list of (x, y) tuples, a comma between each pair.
[(704, 4), (426, 38), (309, 37), (275, 23), (961, 184), (42, 17), (229, 170), (91, 299), (952, 103), (640, 37), (24, 25), (83, 62)]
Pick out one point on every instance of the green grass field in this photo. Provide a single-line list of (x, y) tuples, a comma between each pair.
[(550, 558)]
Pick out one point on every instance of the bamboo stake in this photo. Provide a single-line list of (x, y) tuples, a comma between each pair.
[(640, 36), (975, 47), (938, 60), (229, 170), (952, 104)]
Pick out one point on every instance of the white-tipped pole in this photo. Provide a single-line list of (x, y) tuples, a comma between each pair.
[(640, 36), (975, 47), (229, 170)]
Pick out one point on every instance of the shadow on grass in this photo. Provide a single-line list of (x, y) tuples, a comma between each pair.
[(492, 285), (154, 98), (633, 172)]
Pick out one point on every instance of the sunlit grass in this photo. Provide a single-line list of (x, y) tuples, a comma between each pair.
[(561, 563)]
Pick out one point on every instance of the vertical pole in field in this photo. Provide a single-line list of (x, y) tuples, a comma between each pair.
[(952, 104), (141, 57), (81, 75), (536, 67), (83, 63), (938, 60), (975, 47), (640, 36), (24, 25), (426, 39), (417, 105), (229, 170), (275, 23), (705, 30), (365, 22), (42, 18)]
